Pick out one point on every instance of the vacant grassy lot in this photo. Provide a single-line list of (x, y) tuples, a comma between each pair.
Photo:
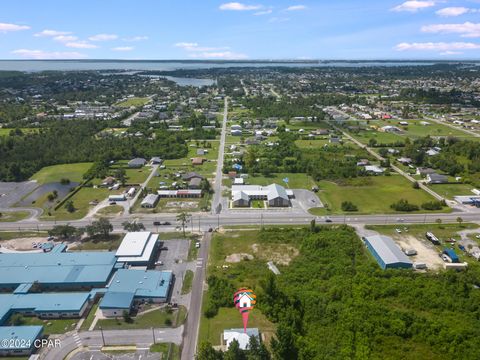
[(371, 195), (73, 172), (92, 245), (134, 101), (451, 190), (133, 176), (13, 216), (442, 231), (311, 144), (295, 181), (156, 318), (81, 202), (111, 210), (8, 235)]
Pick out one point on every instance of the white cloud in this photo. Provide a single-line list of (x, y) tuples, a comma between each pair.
[(65, 38), (296, 8), (414, 5), (466, 29), (453, 11), (135, 38), (47, 55), (439, 46), (190, 46), (218, 55), (447, 53), (103, 37), (81, 45), (123, 48), (5, 27), (264, 12), (51, 33), (236, 6)]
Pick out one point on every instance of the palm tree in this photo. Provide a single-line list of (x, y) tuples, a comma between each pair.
[(183, 217)]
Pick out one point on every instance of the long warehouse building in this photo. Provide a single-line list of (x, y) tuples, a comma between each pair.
[(387, 253)]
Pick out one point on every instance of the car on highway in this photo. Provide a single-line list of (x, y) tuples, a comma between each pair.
[(328, 220), (210, 229), (157, 223)]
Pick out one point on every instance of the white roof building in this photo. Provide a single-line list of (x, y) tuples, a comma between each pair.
[(239, 335), (137, 248)]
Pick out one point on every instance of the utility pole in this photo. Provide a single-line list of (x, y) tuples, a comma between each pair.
[(153, 335)]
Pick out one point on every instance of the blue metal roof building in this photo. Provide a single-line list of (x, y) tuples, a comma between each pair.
[(56, 269), (451, 254), (71, 304), (386, 252), (18, 340), (129, 285)]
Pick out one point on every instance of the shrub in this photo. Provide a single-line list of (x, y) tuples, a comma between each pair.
[(404, 205), (349, 206)]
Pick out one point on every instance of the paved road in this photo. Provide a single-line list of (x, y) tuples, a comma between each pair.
[(217, 197), (142, 338), (288, 216), (193, 321)]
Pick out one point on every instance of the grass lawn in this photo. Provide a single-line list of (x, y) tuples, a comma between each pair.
[(91, 315), (110, 210), (133, 176), (14, 216), (156, 318), (212, 153), (371, 195), (6, 131), (451, 190), (227, 318), (258, 204), (92, 245), (442, 231), (51, 326), (73, 172), (295, 181), (134, 101), (165, 349), (81, 202), (187, 282), (311, 144)]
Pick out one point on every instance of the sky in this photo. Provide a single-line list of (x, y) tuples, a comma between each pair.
[(263, 29)]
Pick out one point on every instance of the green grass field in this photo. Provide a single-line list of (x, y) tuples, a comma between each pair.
[(81, 202), (13, 216), (111, 210), (372, 195), (134, 101), (89, 319), (91, 245), (51, 326), (295, 181), (156, 318), (187, 282), (6, 131), (451, 190), (311, 144), (8, 235), (73, 172)]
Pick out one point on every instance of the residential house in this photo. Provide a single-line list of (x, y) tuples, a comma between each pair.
[(437, 179), (137, 163)]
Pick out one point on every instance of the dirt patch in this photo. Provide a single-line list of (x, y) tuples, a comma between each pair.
[(426, 253), (280, 254), (182, 204), (236, 258), (22, 243)]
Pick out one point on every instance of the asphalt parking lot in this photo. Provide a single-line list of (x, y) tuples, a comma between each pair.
[(97, 355), (11, 193), (306, 199)]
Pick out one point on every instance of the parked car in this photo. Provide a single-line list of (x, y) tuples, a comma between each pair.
[(166, 223), (197, 244), (398, 230), (210, 229), (159, 263), (112, 203), (34, 245)]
